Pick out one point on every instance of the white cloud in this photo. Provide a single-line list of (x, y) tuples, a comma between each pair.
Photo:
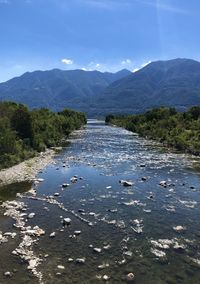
[(94, 66), (67, 61), (84, 69), (126, 62)]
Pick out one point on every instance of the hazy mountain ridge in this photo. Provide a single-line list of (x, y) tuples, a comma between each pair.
[(171, 83), (56, 88)]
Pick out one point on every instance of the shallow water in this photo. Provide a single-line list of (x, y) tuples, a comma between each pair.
[(104, 211)]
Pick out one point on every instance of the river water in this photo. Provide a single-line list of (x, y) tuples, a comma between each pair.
[(149, 229)]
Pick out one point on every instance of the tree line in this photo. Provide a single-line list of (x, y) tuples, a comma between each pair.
[(180, 130), (25, 132)]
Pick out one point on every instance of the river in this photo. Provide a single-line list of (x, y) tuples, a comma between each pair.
[(150, 229)]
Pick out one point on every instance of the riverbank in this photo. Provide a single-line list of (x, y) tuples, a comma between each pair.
[(27, 170), (177, 130)]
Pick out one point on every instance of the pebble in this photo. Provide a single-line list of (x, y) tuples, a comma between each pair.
[(126, 183), (74, 179), (144, 178), (130, 277), (98, 250), (31, 215), (104, 265), (106, 277), (60, 267), (52, 235), (40, 179), (80, 260), (66, 221), (163, 183), (7, 274), (65, 184), (179, 228), (107, 247)]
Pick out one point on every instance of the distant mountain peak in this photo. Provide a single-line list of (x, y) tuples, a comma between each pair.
[(170, 83)]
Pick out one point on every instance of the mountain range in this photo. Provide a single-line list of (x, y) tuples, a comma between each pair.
[(171, 83)]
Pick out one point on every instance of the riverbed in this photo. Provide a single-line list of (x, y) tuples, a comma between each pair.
[(132, 208)]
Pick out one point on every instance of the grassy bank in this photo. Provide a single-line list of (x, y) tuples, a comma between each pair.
[(178, 130), (24, 133)]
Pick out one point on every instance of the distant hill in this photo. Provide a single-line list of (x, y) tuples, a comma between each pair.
[(169, 83), (57, 89)]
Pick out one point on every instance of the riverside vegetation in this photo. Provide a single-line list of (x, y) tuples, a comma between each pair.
[(25, 132), (180, 130)]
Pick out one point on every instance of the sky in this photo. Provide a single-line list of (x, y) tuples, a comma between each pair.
[(104, 35)]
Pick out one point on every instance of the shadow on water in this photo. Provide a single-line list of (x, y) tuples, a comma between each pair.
[(9, 192)]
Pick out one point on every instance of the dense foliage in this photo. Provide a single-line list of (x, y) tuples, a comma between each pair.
[(180, 130), (24, 132)]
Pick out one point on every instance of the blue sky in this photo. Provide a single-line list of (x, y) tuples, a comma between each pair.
[(107, 35)]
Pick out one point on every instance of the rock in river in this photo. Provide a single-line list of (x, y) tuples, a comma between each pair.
[(31, 215), (126, 182), (130, 277), (80, 260), (66, 221), (52, 235), (98, 250), (179, 228)]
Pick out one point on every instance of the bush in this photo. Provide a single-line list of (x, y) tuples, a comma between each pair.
[(24, 132), (179, 130)]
